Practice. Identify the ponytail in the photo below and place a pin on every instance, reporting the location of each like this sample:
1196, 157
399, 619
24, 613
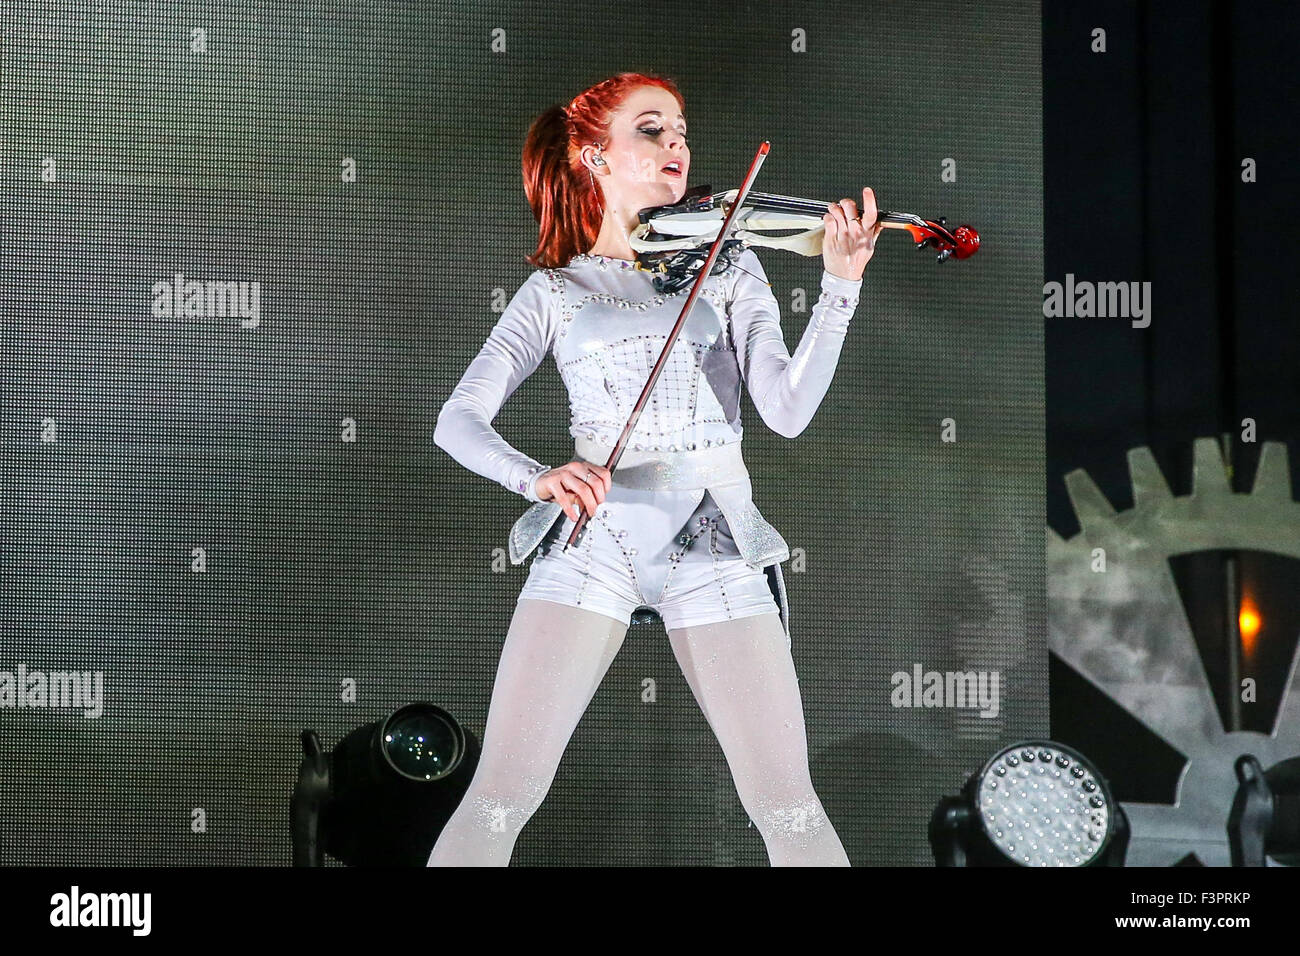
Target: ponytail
565, 204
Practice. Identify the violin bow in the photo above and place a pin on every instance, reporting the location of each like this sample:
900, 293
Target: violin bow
705, 269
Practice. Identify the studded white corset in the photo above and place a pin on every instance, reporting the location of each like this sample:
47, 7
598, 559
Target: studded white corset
605, 326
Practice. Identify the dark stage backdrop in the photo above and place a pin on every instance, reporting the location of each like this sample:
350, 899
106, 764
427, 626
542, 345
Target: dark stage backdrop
235, 518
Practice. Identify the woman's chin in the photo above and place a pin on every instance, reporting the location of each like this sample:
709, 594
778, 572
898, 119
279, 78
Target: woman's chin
673, 190
661, 193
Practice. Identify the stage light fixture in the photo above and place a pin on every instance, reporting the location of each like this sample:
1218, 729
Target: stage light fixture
385, 792
1265, 819
1035, 803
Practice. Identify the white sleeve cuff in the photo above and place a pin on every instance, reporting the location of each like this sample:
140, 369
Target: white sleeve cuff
839, 293
529, 485
837, 285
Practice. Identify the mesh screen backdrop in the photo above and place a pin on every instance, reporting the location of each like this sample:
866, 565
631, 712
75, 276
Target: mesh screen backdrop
234, 518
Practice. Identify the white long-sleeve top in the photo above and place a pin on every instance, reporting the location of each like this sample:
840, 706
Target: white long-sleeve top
605, 326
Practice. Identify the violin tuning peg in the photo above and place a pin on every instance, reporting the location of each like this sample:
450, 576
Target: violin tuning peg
941, 257
942, 221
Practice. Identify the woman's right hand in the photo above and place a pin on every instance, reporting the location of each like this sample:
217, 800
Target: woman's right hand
579, 483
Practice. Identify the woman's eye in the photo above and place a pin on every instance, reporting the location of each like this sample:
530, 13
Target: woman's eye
655, 131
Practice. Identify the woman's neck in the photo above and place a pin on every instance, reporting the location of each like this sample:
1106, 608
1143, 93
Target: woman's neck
615, 230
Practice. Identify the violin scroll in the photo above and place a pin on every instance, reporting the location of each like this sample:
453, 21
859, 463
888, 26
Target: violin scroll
960, 243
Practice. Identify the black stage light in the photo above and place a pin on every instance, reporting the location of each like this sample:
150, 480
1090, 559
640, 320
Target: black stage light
1265, 817
385, 792
1036, 803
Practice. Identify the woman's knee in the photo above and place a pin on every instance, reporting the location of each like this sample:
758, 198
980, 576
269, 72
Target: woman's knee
782, 806
505, 804
789, 819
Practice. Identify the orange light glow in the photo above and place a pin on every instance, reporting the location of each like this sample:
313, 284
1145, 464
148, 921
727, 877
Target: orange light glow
1249, 623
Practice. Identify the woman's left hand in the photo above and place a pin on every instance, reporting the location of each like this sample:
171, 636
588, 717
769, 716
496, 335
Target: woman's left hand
850, 239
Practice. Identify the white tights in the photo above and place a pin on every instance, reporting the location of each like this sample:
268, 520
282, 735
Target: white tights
554, 659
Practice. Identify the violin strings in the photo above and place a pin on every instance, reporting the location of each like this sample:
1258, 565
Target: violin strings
748, 273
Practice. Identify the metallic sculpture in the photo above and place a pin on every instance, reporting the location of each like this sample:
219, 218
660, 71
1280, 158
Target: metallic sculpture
1125, 630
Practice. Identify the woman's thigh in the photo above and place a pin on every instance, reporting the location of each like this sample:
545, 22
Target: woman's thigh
743, 678
552, 663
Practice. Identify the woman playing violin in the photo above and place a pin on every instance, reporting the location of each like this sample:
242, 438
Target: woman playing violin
673, 531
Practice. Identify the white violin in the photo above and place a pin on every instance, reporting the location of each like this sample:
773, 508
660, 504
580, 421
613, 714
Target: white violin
673, 241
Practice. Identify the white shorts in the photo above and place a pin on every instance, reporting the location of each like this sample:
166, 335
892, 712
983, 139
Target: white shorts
651, 549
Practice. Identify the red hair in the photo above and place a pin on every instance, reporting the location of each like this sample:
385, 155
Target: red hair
564, 198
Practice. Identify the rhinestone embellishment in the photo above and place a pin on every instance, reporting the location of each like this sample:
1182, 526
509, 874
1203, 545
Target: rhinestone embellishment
837, 301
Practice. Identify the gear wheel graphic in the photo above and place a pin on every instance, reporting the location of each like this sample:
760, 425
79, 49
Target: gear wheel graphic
1125, 630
